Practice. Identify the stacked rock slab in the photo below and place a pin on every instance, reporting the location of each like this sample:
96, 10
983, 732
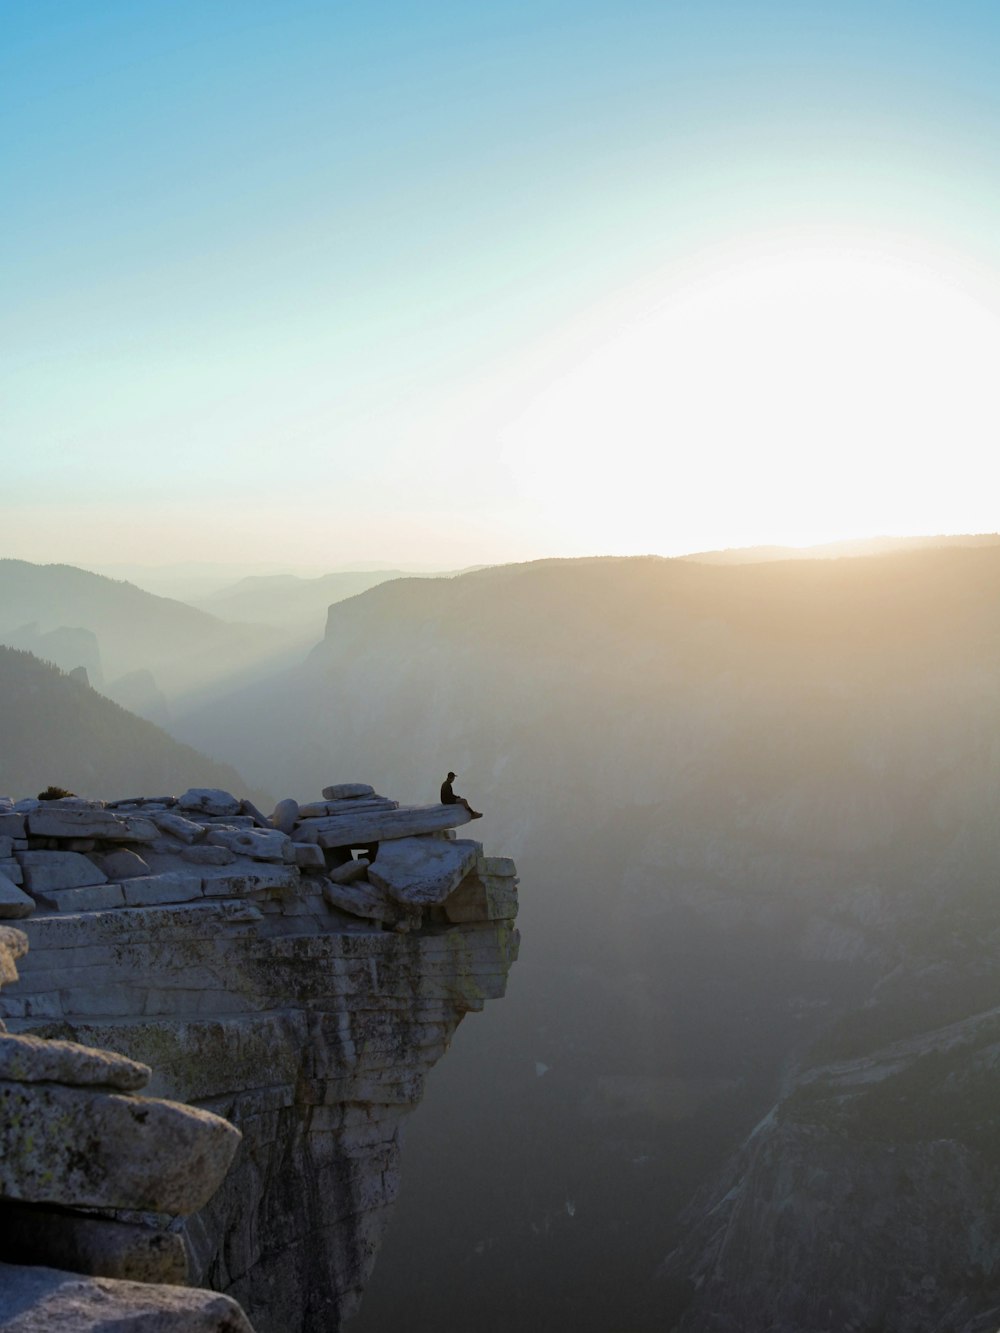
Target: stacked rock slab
298, 975
77, 1146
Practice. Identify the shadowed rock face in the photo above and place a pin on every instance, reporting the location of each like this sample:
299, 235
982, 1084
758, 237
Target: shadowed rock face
254, 994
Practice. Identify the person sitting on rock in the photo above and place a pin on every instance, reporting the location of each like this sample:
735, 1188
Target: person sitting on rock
448, 797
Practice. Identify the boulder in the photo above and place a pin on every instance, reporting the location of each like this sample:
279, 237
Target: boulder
12, 869
285, 815
41, 1300
382, 825
209, 801
307, 856
258, 844
120, 865
11, 825
26, 1059
44, 871
170, 887
177, 826
14, 903
422, 871
88, 1149
349, 871
98, 1246
342, 791
363, 900
95, 898
63, 821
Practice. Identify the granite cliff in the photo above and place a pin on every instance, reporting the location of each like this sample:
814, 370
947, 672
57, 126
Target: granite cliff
297, 975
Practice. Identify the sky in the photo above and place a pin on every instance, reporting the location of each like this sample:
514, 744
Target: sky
308, 285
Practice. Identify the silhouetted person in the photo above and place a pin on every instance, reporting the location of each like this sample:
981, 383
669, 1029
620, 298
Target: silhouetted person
448, 797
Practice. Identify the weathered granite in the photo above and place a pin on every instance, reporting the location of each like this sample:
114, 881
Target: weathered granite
346, 790
358, 830
209, 801
92, 1149
26, 1059
420, 871
306, 1010
47, 870
43, 1300
13, 902
53, 821
92, 1244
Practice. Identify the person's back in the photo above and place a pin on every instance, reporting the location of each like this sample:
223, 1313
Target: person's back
448, 797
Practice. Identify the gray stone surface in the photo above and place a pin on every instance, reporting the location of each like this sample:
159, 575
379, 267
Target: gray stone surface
45, 1300
28, 1059
97, 1246
177, 826
208, 801
307, 856
11, 825
120, 864
11, 867
58, 821
14, 903
363, 900
258, 844
345, 790
285, 815
378, 826
58, 870
166, 888
86, 1149
349, 871
204, 855
95, 898
422, 871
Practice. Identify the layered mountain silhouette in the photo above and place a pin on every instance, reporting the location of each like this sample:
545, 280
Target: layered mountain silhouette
58, 731
114, 629
754, 810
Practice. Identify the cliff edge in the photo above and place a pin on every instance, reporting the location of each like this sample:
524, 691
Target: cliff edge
297, 975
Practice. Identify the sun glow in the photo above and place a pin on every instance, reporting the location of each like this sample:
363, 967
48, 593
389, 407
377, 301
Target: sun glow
795, 395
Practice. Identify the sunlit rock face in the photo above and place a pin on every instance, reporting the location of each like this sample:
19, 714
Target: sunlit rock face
231, 961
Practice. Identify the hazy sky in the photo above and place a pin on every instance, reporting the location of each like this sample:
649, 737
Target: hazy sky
313, 283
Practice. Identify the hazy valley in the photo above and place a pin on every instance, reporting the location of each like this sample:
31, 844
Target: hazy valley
753, 807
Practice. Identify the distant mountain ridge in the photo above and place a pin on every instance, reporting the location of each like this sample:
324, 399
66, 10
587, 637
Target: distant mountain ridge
57, 730
746, 796
185, 650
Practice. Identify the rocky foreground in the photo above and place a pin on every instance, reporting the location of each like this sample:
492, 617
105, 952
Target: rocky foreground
296, 975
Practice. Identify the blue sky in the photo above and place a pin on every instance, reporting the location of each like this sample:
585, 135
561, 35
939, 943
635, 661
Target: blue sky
291, 277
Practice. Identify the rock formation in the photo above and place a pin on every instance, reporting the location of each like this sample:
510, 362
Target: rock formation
78, 1145
297, 975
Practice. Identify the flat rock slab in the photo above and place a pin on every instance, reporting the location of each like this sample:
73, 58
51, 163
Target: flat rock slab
177, 826
421, 872
121, 864
321, 809
14, 903
25, 1059
341, 791
93, 898
152, 890
97, 1246
59, 870
258, 844
42, 1300
367, 901
85, 1149
384, 825
209, 801
70, 822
